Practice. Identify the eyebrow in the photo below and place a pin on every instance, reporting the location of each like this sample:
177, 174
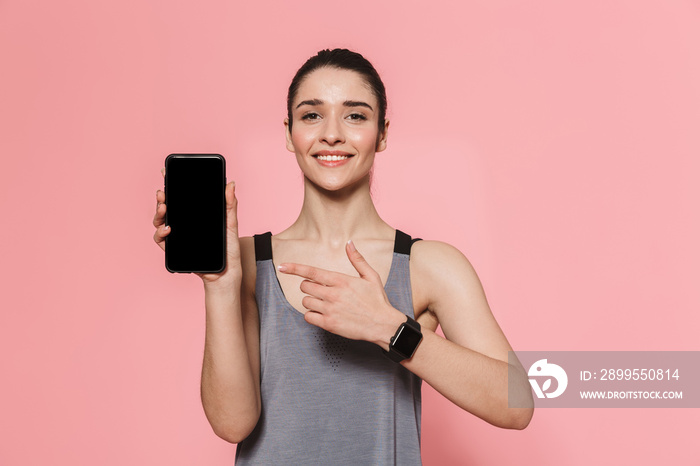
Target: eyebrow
356, 103
310, 102
347, 103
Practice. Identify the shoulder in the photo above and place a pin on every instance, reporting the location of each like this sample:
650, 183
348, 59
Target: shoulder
247, 245
437, 259
442, 273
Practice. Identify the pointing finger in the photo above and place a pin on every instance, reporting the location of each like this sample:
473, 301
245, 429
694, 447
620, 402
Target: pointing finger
324, 277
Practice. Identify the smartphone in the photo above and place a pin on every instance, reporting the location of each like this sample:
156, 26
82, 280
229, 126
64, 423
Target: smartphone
196, 213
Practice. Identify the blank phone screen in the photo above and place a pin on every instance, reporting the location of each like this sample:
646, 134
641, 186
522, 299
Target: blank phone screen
196, 212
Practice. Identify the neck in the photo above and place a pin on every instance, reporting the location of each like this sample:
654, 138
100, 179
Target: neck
334, 217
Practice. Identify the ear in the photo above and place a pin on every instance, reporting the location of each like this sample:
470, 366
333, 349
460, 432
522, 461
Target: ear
288, 135
381, 142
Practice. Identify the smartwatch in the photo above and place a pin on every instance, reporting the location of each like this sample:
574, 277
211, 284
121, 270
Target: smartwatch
405, 341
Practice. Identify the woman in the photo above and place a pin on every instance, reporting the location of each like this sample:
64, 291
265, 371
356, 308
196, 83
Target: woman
322, 362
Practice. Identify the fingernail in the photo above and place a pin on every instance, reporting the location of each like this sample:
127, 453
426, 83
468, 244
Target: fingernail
282, 268
166, 227
352, 245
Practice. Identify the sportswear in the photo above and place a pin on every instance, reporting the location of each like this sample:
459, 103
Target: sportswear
328, 399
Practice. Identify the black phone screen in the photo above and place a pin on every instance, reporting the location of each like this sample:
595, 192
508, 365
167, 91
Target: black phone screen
196, 213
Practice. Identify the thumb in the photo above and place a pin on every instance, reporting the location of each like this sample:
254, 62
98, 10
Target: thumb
358, 261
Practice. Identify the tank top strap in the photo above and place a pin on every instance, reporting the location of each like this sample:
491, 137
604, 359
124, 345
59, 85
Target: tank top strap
403, 243
263, 246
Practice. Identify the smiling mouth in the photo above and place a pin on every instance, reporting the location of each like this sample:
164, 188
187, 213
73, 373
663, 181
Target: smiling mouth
332, 158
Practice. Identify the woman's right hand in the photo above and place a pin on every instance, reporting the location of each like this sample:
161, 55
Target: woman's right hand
233, 271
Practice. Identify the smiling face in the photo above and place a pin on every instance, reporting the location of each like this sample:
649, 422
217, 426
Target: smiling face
335, 131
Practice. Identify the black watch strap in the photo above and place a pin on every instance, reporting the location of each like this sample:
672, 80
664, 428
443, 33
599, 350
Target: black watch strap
405, 341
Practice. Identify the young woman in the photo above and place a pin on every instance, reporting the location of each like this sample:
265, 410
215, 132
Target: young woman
318, 337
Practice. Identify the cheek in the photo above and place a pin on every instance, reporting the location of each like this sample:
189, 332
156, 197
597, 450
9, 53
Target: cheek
300, 139
366, 138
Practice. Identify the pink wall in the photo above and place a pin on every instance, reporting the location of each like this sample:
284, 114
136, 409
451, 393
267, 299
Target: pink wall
555, 143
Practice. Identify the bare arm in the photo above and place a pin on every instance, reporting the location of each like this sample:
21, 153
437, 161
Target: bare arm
230, 384
470, 367
231, 368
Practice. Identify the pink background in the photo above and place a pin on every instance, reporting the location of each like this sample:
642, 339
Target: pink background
554, 143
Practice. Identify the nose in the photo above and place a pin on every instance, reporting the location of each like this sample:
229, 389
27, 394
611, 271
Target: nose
332, 131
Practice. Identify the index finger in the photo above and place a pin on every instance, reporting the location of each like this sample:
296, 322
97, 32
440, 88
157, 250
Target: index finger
322, 276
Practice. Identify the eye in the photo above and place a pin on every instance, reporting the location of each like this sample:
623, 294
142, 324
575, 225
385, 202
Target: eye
311, 116
357, 116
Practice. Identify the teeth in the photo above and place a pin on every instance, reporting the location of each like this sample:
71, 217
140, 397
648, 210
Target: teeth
331, 157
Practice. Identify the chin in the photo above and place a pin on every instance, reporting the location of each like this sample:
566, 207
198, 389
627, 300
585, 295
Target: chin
336, 185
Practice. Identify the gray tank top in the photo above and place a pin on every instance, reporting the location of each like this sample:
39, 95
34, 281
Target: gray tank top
327, 399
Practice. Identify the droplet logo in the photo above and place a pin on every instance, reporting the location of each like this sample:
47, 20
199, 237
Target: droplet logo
542, 368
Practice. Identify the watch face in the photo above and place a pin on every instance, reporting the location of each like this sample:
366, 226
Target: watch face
407, 340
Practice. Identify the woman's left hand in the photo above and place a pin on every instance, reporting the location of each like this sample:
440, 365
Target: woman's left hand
352, 307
